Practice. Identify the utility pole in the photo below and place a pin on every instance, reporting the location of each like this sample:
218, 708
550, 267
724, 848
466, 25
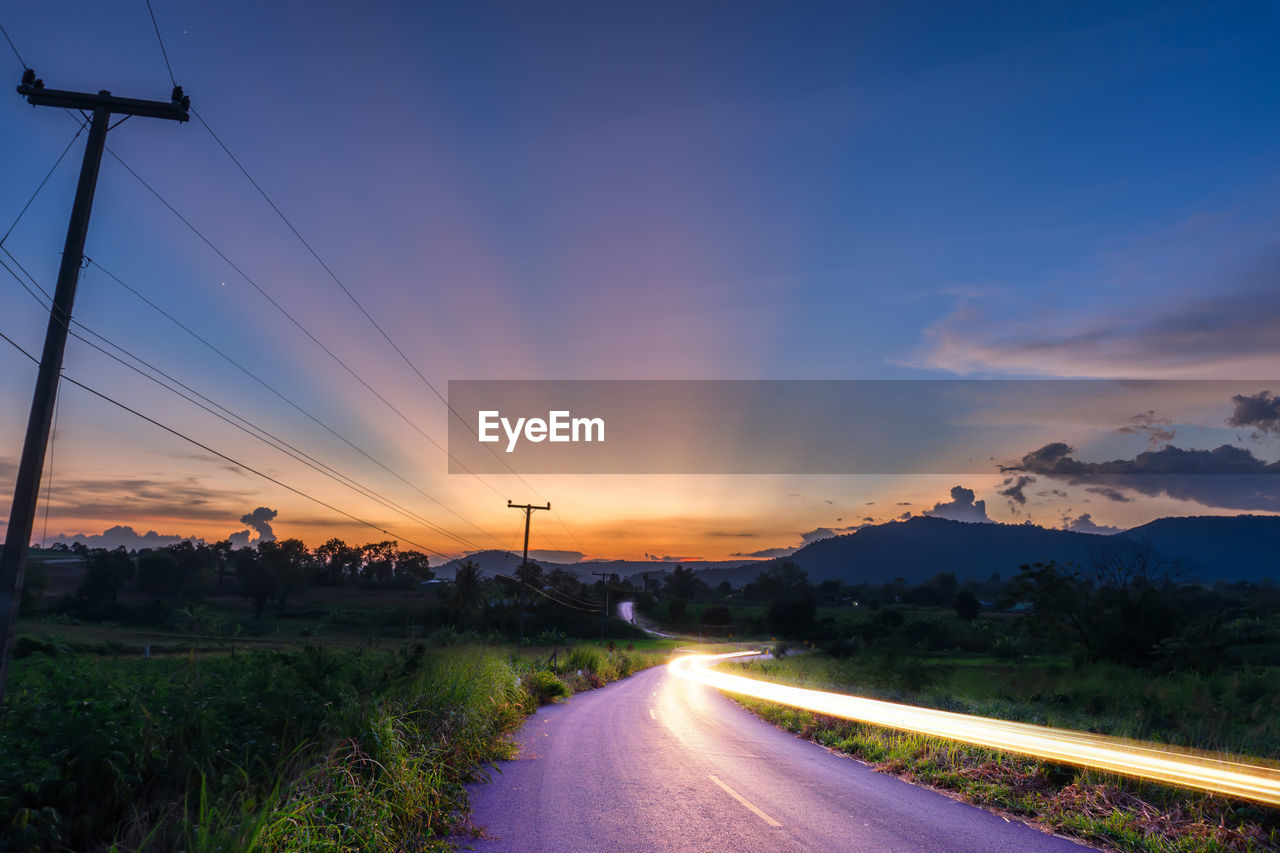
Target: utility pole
27, 490
524, 560
604, 614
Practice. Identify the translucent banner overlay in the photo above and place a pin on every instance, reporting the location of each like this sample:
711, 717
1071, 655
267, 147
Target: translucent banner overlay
1124, 427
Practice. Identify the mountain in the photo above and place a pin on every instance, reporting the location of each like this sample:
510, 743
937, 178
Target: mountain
505, 562
1236, 547
1211, 548
1243, 547
919, 548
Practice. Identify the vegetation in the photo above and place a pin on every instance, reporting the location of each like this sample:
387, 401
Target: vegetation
312, 749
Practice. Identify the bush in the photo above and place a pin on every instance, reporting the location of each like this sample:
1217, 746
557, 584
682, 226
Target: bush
544, 687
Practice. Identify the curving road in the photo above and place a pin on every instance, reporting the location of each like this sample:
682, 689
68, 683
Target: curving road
657, 763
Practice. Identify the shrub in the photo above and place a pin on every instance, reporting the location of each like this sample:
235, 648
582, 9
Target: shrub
544, 687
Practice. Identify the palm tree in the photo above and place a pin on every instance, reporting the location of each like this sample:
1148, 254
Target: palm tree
465, 597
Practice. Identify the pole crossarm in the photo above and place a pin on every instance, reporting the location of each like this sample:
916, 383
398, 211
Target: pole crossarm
33, 89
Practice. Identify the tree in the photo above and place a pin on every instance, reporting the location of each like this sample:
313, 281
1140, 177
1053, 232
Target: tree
257, 581
106, 573
1120, 609
158, 572
465, 597
792, 604
338, 560
966, 605
286, 560
683, 583
414, 564
378, 560
222, 550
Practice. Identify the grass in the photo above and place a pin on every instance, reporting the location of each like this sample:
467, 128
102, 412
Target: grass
1117, 814
318, 748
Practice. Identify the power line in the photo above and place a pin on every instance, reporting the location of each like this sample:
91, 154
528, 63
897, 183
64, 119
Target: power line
14, 48
360, 306
163, 52
248, 426
231, 460
47, 176
297, 323
247, 372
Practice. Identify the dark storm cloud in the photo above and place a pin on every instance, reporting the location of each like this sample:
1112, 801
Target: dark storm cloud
1227, 477
1259, 411
1014, 489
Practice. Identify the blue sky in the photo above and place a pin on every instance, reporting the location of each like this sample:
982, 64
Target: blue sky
578, 190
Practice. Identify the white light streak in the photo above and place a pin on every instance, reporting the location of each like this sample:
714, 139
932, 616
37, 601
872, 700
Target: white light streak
1152, 761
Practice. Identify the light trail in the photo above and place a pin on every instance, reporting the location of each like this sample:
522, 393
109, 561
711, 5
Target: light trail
1151, 761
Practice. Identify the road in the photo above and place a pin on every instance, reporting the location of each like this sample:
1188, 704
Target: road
655, 763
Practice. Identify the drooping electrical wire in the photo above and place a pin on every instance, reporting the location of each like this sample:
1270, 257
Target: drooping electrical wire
47, 176
363, 311
163, 52
14, 48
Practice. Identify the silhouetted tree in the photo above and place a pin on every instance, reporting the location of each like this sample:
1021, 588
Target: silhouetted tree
966, 605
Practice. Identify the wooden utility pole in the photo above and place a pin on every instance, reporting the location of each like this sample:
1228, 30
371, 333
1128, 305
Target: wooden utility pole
27, 490
524, 561
604, 614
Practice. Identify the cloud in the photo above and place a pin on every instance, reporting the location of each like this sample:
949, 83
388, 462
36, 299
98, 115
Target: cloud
961, 507
1110, 494
1227, 477
767, 553
1154, 428
1084, 523
239, 540
1209, 308
1014, 489
905, 516
1260, 411
259, 520
548, 556
827, 532
121, 534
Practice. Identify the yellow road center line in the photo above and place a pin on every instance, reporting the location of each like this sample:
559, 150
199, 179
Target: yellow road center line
764, 817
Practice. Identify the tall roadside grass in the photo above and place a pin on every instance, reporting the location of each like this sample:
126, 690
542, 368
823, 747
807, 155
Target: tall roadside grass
1112, 812
316, 750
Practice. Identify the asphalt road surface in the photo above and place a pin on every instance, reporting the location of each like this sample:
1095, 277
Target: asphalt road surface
657, 763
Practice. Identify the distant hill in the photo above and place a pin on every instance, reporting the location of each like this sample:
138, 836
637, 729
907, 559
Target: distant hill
1245, 547
1239, 547
505, 562
919, 548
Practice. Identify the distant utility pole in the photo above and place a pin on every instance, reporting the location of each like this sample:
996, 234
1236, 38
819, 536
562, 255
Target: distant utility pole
27, 490
524, 560
604, 614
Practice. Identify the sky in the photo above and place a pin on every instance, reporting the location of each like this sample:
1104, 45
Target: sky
640, 191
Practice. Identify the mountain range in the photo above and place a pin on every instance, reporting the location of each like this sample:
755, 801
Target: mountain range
1208, 548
